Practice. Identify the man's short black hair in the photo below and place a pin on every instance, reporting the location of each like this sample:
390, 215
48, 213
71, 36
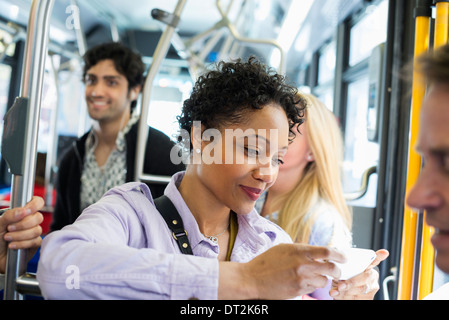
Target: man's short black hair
126, 61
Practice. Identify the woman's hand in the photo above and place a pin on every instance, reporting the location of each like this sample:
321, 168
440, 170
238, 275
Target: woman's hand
282, 272
361, 287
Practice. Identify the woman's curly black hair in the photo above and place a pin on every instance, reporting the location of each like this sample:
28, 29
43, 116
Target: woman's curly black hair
224, 96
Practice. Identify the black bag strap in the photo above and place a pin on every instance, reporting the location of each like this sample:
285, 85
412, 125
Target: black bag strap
174, 222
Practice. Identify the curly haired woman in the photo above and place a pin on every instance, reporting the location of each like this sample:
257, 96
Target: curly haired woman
121, 246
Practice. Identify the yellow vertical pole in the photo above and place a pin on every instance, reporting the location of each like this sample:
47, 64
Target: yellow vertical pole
406, 270
427, 263
427, 250
441, 23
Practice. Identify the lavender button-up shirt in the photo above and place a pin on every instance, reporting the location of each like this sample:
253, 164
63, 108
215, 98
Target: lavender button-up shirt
121, 248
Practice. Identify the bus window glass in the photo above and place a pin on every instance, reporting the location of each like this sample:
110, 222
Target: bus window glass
5, 75
360, 153
73, 118
7, 46
327, 97
166, 103
368, 33
48, 106
327, 63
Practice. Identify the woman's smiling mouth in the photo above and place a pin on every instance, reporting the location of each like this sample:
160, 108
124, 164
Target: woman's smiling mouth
253, 193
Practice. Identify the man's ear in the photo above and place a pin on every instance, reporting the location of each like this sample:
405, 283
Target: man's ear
134, 93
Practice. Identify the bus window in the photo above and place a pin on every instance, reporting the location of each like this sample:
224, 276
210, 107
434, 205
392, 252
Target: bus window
166, 103
49, 105
360, 153
326, 74
368, 33
327, 97
326, 64
7, 46
73, 119
7, 49
5, 75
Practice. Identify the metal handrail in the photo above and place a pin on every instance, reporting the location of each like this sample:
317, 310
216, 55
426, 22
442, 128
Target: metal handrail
351, 196
167, 37
16, 32
80, 35
238, 37
392, 278
226, 23
158, 56
32, 81
26, 284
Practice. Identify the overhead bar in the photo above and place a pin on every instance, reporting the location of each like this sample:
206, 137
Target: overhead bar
80, 36
237, 36
158, 56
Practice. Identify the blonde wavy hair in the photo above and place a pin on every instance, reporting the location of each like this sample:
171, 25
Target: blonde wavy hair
321, 178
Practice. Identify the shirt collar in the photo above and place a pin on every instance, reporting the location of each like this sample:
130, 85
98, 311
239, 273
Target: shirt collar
120, 142
253, 229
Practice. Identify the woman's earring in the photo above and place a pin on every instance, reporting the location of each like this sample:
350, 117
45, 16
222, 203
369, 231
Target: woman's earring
198, 150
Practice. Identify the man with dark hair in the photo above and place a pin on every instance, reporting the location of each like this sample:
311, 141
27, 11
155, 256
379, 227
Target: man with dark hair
104, 156
126, 62
431, 191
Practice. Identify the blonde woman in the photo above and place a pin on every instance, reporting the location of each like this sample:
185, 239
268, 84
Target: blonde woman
307, 200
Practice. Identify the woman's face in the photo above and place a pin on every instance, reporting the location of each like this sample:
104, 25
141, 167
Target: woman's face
298, 156
243, 160
299, 153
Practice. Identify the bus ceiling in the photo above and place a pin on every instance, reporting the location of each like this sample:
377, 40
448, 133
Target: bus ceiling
116, 20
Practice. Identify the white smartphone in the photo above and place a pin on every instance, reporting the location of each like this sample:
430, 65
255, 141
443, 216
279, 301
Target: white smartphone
357, 260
